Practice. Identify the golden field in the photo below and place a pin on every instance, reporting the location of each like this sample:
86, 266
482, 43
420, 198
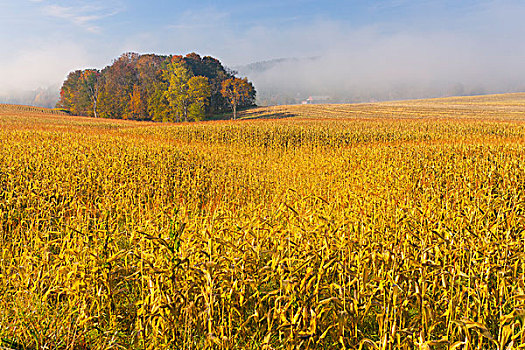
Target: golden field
396, 225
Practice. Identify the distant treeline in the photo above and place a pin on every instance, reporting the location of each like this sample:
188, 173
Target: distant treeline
158, 88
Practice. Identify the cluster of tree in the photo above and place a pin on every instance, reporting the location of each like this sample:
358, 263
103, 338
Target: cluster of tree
159, 88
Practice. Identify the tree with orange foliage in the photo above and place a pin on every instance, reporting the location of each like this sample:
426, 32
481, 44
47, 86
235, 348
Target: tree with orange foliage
137, 108
238, 92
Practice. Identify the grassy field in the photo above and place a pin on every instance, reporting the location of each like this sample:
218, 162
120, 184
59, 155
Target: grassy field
396, 225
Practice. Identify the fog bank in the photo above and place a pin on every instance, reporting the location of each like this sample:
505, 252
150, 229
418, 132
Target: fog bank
374, 66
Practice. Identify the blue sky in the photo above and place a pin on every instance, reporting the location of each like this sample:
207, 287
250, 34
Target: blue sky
42, 40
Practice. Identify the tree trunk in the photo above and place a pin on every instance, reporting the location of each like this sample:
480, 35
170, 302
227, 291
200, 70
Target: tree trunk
234, 110
94, 96
95, 108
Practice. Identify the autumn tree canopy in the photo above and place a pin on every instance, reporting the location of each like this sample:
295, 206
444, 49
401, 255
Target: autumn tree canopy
239, 92
188, 95
152, 87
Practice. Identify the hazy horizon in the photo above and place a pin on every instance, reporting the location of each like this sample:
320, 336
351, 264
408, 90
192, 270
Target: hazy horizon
363, 49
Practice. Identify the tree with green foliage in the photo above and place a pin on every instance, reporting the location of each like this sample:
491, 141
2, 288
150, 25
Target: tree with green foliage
187, 95
158, 105
90, 79
199, 91
80, 92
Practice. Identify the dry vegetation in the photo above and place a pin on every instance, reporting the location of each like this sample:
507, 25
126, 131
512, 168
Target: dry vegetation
18, 109
375, 226
506, 107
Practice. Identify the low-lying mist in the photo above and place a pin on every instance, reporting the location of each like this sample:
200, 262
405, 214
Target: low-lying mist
474, 51
391, 68
41, 97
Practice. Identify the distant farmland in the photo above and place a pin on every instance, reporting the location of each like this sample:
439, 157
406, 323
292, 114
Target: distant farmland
490, 107
394, 225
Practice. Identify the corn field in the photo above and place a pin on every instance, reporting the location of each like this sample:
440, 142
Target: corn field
7, 108
364, 229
